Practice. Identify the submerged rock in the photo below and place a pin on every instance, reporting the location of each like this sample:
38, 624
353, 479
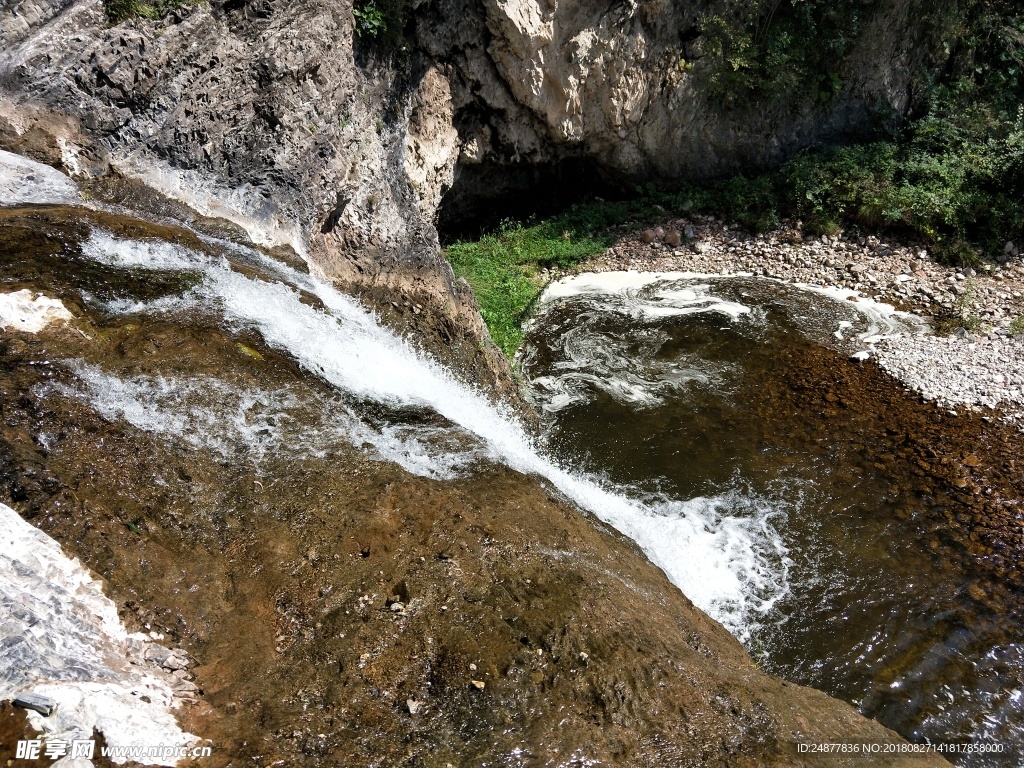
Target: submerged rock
24, 181
21, 311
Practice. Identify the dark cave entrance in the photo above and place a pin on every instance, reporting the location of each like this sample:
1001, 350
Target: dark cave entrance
484, 195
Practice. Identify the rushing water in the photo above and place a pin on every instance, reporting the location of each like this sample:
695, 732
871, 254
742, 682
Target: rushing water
720, 549
668, 418
681, 385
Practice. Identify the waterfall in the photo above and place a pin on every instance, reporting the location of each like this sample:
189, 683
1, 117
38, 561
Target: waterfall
731, 564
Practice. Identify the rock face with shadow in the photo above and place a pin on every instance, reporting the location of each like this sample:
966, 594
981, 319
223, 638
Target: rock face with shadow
277, 118
625, 88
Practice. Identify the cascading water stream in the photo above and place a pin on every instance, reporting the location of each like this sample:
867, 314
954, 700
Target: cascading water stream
731, 565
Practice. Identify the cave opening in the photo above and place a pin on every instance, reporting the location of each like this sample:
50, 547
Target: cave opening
485, 194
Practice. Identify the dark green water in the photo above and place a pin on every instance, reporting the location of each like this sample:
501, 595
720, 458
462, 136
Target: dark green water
881, 602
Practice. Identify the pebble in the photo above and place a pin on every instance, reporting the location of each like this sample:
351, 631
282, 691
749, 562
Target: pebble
960, 370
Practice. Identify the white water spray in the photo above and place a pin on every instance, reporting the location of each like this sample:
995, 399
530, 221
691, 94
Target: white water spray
733, 567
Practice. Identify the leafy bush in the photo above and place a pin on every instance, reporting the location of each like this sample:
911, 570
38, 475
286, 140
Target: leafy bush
950, 184
381, 24
779, 48
369, 19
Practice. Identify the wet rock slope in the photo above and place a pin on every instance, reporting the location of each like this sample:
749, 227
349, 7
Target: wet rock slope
344, 609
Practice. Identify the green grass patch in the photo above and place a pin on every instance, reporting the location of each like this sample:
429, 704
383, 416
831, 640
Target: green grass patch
504, 267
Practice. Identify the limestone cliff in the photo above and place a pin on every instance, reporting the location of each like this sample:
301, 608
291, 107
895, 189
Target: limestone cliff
625, 86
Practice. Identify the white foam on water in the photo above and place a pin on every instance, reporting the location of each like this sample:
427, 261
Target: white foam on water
883, 320
146, 254
632, 287
728, 565
21, 311
61, 637
246, 423
624, 363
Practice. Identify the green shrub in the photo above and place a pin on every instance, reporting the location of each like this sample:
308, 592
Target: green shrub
369, 19
964, 307
951, 185
381, 24
771, 49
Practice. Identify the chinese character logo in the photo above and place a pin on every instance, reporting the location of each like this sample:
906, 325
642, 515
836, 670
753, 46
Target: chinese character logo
56, 748
29, 749
83, 748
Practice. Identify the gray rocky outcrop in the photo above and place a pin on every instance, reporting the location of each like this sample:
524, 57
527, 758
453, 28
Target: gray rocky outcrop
256, 115
275, 116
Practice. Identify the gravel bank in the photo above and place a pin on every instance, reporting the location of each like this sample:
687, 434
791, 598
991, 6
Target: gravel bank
979, 365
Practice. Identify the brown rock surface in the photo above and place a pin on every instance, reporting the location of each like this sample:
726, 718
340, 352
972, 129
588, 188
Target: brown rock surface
319, 595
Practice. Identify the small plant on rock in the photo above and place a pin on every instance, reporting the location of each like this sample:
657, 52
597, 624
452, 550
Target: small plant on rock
370, 21
963, 309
